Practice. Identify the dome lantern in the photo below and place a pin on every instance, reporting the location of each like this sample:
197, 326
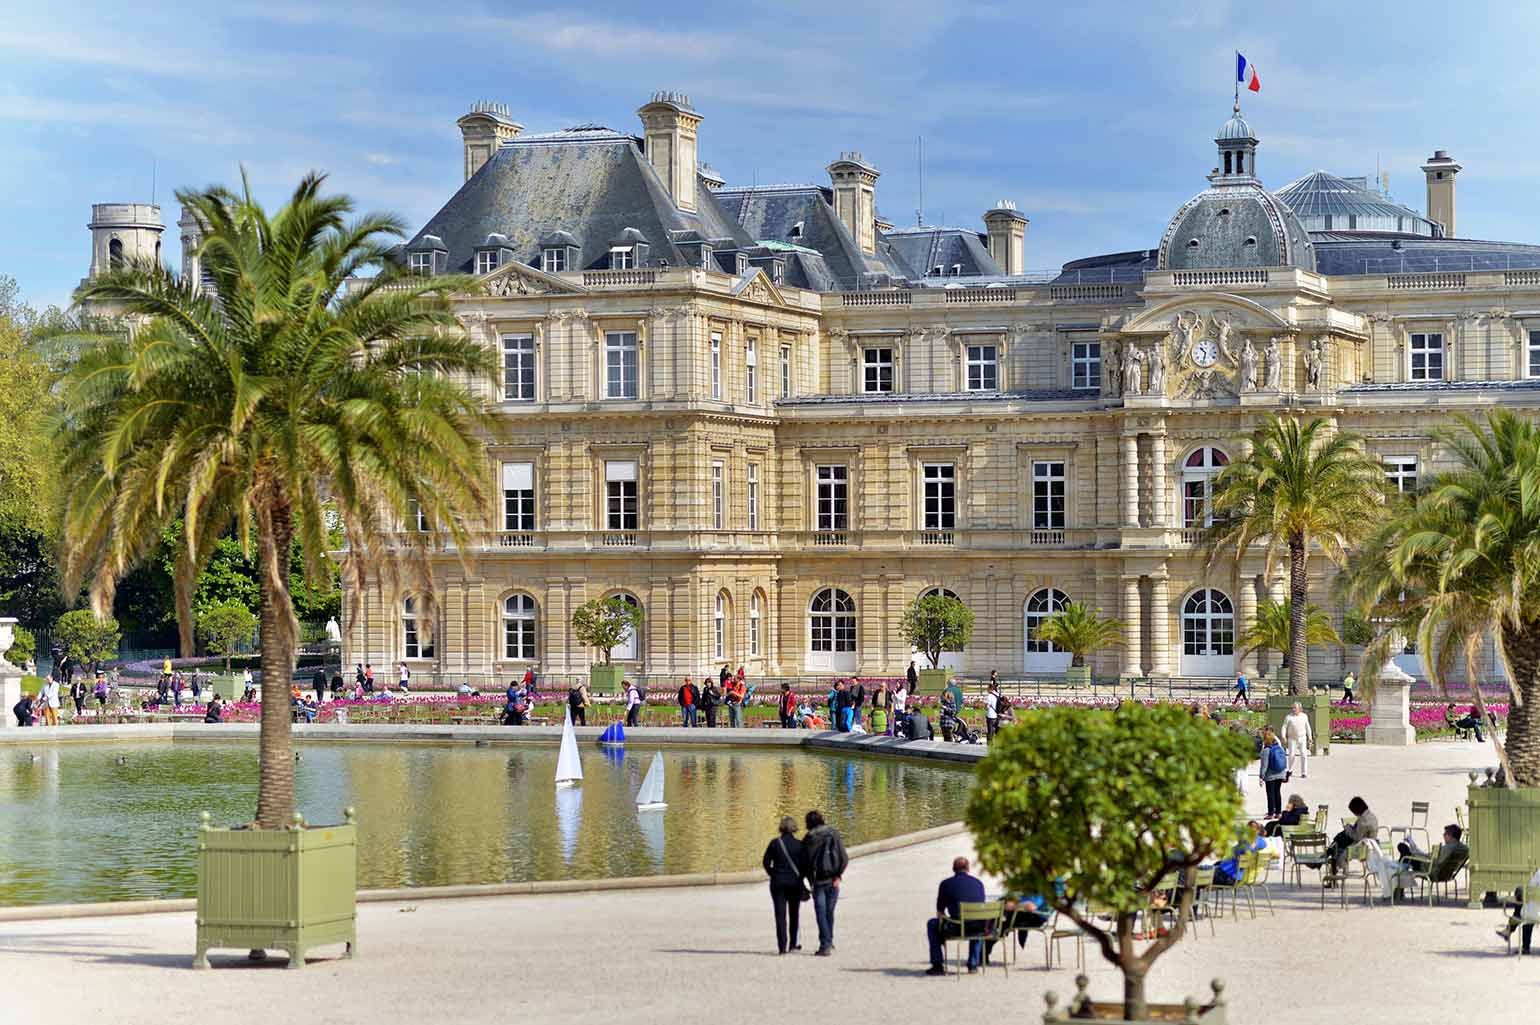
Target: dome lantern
1237, 150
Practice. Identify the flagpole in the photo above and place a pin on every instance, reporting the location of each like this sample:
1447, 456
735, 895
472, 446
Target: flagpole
1237, 81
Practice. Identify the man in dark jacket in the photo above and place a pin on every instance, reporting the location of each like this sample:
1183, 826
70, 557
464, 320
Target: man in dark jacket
710, 698
960, 888
318, 683
823, 864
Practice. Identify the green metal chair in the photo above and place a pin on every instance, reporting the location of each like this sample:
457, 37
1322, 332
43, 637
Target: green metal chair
1306, 850
976, 921
1419, 812
1447, 875
1064, 928
1358, 855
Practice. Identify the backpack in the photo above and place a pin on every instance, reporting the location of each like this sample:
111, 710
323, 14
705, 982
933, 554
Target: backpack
829, 860
574, 698
1277, 760
641, 693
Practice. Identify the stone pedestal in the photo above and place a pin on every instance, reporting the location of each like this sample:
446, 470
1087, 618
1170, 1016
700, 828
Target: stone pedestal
10, 676
1390, 711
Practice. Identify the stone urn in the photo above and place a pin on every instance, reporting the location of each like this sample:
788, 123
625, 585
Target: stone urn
1390, 709
10, 676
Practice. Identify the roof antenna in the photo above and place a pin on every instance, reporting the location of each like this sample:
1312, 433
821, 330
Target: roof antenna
919, 211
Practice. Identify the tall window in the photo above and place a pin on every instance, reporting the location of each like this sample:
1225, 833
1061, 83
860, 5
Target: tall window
1086, 365
620, 494
420, 263
622, 258
833, 498
718, 515
785, 371
1042, 605
983, 368
719, 628
519, 628
417, 519
415, 639
1534, 354
750, 370
1208, 624
1401, 472
486, 261
940, 496
832, 620
629, 649
754, 620
518, 367
753, 496
1198, 485
716, 365
1048, 495
877, 370
620, 364
518, 496
1427, 355
553, 261
115, 254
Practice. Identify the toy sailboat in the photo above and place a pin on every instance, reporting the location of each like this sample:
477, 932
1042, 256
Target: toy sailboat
569, 767
614, 733
650, 797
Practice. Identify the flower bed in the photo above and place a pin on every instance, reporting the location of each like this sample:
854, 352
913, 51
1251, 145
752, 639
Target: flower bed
1427, 720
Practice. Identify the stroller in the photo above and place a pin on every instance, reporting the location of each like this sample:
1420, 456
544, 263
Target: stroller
953, 727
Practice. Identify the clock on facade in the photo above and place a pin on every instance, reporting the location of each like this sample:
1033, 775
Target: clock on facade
1205, 353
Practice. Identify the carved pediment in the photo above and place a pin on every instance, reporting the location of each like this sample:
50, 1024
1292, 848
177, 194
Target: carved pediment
517, 279
757, 287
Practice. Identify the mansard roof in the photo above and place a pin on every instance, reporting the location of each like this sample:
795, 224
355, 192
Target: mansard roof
926, 247
804, 215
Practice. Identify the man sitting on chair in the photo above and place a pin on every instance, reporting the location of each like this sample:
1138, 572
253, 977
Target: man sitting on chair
960, 888
1443, 863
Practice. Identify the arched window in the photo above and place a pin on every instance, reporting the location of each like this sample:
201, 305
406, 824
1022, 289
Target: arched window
719, 627
755, 613
1197, 485
519, 628
1208, 624
115, 254
629, 649
832, 630
939, 592
1041, 606
416, 632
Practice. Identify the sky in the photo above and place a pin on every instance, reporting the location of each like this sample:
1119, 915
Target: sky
1097, 119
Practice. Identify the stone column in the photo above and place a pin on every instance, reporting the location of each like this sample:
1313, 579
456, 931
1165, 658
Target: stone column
1132, 628
1159, 473
1130, 480
1160, 624
10, 676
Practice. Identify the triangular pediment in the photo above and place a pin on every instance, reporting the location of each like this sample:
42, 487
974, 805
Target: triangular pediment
756, 286
516, 279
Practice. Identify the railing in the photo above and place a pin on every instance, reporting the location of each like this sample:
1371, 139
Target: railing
1193, 535
1087, 293
980, 295
1210, 278
1442, 282
517, 539
1046, 537
891, 298
1522, 277
830, 539
600, 278
936, 537
626, 539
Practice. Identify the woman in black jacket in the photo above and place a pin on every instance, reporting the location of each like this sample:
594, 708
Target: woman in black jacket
783, 858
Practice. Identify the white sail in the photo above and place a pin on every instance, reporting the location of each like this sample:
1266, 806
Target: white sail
569, 767
651, 795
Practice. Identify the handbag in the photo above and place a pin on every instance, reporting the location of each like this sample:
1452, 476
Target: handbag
803, 893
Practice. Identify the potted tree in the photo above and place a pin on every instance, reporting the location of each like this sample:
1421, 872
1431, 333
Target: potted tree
605, 623
225, 629
1080, 630
87, 638
1271, 631
1157, 799
933, 624
284, 389
1449, 569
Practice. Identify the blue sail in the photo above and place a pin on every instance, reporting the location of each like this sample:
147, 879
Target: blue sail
614, 733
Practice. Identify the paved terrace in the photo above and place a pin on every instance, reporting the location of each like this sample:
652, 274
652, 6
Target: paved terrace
706, 955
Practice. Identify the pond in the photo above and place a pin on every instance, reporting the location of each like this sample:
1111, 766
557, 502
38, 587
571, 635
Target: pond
77, 824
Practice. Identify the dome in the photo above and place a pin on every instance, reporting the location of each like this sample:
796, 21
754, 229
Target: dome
1326, 202
1235, 128
1235, 225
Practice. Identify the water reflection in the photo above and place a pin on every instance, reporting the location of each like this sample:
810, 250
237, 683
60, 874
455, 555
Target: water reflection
569, 819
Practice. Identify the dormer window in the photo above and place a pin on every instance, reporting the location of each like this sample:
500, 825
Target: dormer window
1251, 240
1192, 243
956, 270
937, 270
486, 261
796, 231
628, 250
420, 263
622, 257
560, 252
428, 256
553, 261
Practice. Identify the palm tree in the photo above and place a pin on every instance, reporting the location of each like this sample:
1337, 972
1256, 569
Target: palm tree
1274, 626
1301, 484
1463, 561
1079, 629
286, 396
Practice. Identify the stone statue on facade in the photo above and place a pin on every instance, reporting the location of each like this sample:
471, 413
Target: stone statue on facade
1157, 369
1272, 365
1113, 368
1315, 360
1222, 329
1248, 367
1190, 329
1131, 373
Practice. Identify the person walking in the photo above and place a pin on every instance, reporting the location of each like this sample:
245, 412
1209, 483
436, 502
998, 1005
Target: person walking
404, 677
736, 692
1347, 688
1273, 766
899, 706
857, 693
99, 691
577, 703
823, 865
1241, 686
689, 701
368, 678
991, 709
358, 673
1298, 739
788, 707
633, 704
50, 700
783, 864
912, 677
78, 695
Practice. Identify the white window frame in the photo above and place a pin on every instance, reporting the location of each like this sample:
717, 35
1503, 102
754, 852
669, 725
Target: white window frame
413, 646
874, 364
518, 496
519, 368
719, 627
420, 263
486, 262
1085, 365
718, 503
622, 503
629, 649
785, 371
1049, 494
939, 496
1208, 624
553, 260
622, 258
1041, 605
982, 371
832, 497
1401, 472
1198, 484
752, 496
754, 624
832, 625
751, 370
621, 354
716, 364
1532, 354
1430, 346
520, 628
417, 519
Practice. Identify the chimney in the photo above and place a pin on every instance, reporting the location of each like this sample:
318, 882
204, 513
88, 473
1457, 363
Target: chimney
1007, 229
669, 124
1441, 169
855, 197
485, 128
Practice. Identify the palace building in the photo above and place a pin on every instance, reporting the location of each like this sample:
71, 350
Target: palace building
771, 419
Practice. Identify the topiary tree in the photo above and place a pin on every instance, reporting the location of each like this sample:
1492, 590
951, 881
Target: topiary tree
1274, 626
85, 638
225, 628
1097, 807
1080, 630
23, 646
935, 623
604, 623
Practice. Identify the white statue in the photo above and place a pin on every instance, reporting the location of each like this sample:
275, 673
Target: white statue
1157, 370
1314, 361
1131, 374
1189, 329
1248, 367
1272, 364
1223, 327
333, 631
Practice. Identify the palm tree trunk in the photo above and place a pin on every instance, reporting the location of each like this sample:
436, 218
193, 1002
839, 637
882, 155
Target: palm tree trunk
275, 789
1299, 593
1521, 647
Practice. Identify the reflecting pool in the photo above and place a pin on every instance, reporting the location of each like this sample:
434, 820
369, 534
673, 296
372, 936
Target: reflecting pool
119, 822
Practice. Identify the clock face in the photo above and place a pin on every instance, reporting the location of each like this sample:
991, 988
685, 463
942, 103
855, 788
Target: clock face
1205, 353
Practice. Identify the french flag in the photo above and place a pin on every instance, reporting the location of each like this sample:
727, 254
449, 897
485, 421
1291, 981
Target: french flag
1246, 73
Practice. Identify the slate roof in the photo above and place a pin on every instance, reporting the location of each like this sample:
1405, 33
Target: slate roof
771, 212
924, 247
590, 181
1366, 253
1327, 202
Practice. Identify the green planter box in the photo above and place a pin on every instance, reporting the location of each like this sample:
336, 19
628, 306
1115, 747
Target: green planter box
229, 686
277, 889
1504, 838
1077, 676
934, 681
604, 679
1317, 706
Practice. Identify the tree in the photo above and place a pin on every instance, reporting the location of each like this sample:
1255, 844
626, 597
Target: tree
606, 623
1097, 807
934, 623
1080, 630
1462, 562
1274, 626
27, 467
1301, 484
23, 646
225, 628
86, 637
289, 394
